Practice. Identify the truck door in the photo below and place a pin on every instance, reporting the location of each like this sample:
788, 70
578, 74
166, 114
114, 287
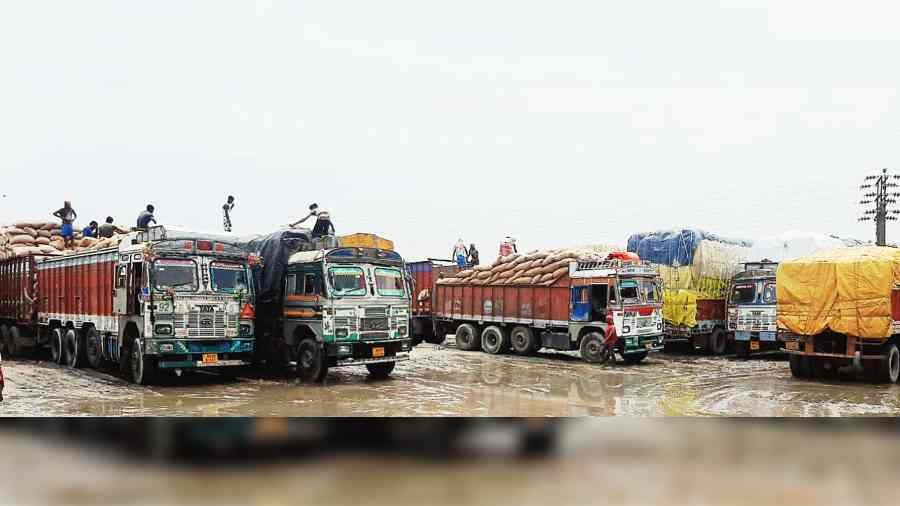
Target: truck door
120, 306
581, 304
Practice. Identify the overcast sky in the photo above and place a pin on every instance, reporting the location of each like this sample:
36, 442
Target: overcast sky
562, 123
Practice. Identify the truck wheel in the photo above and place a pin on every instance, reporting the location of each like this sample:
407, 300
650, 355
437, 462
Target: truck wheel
467, 338
381, 371
73, 352
798, 369
718, 342
495, 340
56, 346
889, 366
523, 341
12, 344
93, 348
742, 349
636, 358
311, 365
4, 335
143, 369
594, 350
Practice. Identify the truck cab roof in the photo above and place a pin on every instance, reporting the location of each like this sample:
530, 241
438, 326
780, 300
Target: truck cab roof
347, 255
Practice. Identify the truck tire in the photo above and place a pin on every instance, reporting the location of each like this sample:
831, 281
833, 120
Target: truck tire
718, 342
4, 335
12, 342
889, 366
798, 369
56, 346
311, 364
93, 348
467, 337
594, 350
523, 341
74, 349
495, 340
142, 369
636, 358
742, 349
381, 371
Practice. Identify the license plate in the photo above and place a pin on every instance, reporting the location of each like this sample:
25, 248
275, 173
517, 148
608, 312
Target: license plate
793, 346
754, 346
377, 352
210, 358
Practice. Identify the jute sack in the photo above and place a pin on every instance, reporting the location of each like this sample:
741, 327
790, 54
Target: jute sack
44, 233
30, 231
42, 241
13, 231
25, 240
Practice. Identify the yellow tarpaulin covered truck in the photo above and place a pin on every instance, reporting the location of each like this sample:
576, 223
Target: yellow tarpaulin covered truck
841, 308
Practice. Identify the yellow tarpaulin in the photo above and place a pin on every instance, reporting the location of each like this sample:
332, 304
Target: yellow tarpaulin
847, 290
680, 307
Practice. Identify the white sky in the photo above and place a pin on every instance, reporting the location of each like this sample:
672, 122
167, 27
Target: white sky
560, 123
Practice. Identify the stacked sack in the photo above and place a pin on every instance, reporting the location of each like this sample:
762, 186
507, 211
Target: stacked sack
541, 268
40, 238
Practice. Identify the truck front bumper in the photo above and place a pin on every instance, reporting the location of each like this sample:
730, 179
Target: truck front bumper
746, 335
353, 353
643, 344
199, 353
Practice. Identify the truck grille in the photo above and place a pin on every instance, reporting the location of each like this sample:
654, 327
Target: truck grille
376, 312
643, 323
346, 322
375, 335
761, 323
205, 324
374, 324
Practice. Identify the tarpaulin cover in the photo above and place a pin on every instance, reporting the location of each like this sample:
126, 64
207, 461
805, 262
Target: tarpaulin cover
694, 265
275, 249
846, 290
793, 245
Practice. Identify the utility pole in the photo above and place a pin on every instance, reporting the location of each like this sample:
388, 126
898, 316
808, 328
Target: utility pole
880, 196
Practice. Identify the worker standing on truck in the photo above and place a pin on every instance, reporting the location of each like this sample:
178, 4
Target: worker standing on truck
474, 261
146, 217
508, 247
226, 209
109, 229
323, 225
460, 254
68, 217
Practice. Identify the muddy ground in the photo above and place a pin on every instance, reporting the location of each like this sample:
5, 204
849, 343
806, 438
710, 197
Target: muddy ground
446, 381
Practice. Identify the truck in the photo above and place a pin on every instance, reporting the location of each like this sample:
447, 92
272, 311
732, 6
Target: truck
752, 315
322, 305
600, 308
165, 299
697, 268
423, 275
840, 310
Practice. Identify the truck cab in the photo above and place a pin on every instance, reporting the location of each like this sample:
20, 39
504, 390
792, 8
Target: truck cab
752, 309
622, 297
183, 300
346, 307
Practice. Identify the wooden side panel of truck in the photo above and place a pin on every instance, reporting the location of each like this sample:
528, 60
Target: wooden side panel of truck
527, 304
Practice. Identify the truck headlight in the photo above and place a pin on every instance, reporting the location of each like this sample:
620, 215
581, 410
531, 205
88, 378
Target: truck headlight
402, 331
626, 330
341, 333
164, 330
245, 329
344, 349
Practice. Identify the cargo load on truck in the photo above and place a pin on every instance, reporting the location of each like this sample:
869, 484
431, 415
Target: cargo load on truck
696, 268
846, 290
25, 238
792, 245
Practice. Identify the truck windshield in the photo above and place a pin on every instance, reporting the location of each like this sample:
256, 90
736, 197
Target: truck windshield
769, 293
630, 291
650, 291
348, 281
743, 294
389, 282
179, 275
227, 277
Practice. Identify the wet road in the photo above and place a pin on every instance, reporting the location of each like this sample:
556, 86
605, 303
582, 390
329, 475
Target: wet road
445, 381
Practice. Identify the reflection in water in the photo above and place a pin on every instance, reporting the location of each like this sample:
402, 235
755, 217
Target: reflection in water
443, 381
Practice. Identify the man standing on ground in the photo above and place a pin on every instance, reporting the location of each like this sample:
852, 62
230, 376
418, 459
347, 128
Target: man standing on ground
68, 217
146, 217
229, 205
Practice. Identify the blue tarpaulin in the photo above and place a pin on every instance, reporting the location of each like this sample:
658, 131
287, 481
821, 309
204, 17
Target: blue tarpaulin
674, 247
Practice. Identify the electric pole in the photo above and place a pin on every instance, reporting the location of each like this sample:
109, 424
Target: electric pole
880, 196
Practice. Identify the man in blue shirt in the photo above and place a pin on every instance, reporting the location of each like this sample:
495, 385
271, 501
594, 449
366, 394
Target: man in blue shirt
90, 230
146, 217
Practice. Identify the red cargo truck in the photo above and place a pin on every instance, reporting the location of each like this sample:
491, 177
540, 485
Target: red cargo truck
163, 300
423, 276
599, 308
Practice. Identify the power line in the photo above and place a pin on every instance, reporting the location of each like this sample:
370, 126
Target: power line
880, 197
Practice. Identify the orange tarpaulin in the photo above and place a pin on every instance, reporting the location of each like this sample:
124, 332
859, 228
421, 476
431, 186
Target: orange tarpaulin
846, 290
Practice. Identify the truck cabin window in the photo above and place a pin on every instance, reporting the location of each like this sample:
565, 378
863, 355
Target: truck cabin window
348, 281
312, 285
389, 282
599, 302
227, 277
770, 295
743, 294
179, 275
650, 291
630, 291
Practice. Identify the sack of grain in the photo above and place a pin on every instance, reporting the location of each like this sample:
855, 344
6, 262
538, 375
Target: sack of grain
43, 233
465, 274
48, 226
482, 268
30, 231
42, 241
14, 231
87, 242
484, 275
25, 240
